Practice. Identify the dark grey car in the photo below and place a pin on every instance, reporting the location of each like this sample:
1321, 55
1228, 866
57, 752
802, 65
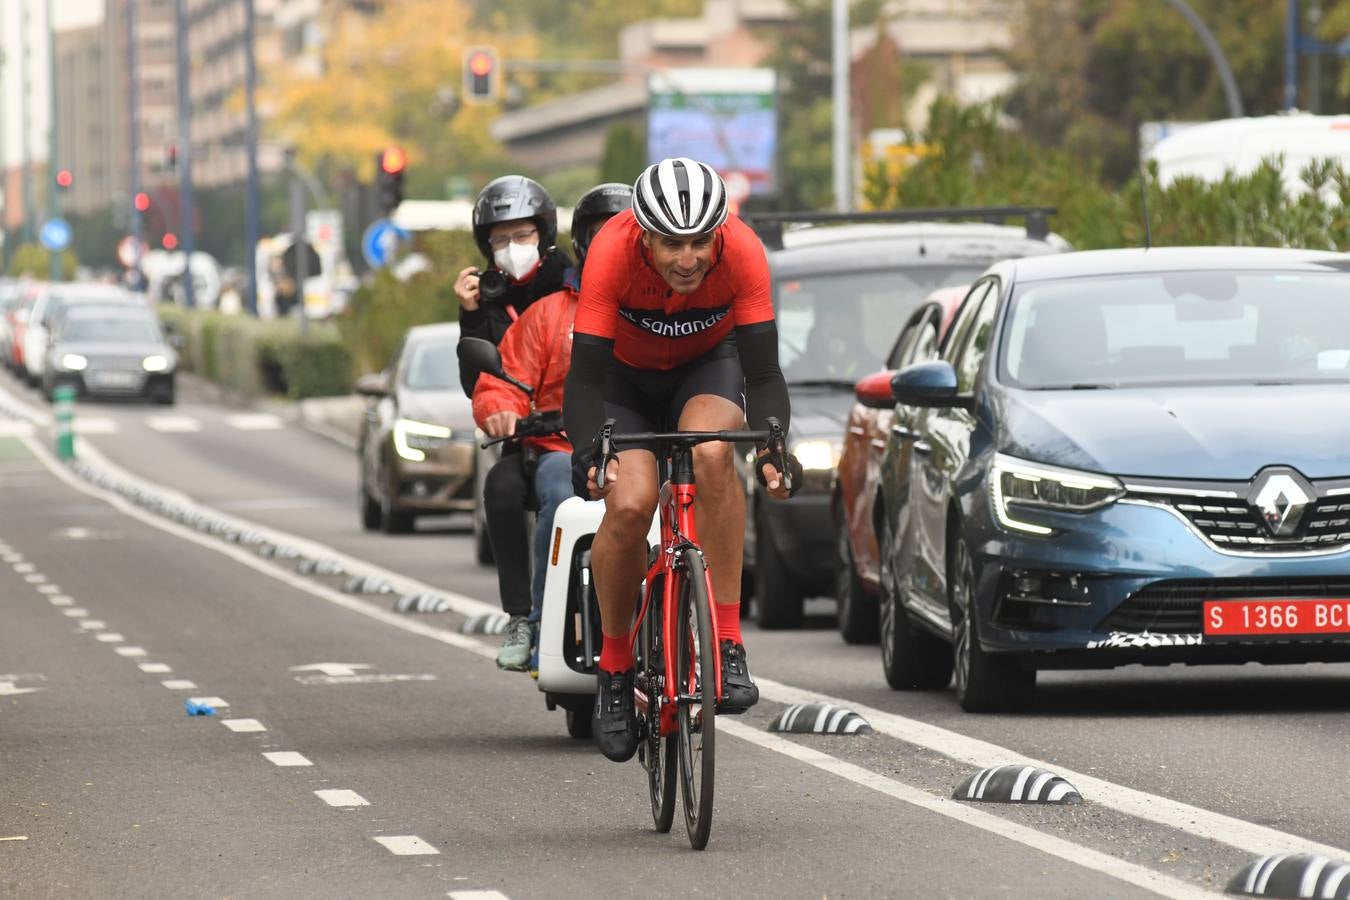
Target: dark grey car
841, 296
112, 351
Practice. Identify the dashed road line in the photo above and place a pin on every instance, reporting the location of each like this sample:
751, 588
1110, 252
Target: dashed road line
109, 637
35, 578
155, 668
76, 612
60, 600
179, 684
243, 725
477, 895
287, 758
92, 624
255, 422
173, 424
48, 589
406, 845
130, 651
23, 567
342, 798
93, 425
213, 702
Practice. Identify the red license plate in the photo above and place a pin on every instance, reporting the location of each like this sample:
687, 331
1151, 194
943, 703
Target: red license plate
1277, 617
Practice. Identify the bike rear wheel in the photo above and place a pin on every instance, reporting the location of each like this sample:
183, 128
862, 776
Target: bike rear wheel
695, 646
656, 753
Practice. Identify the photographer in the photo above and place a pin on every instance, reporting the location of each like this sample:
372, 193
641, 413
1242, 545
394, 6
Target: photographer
515, 225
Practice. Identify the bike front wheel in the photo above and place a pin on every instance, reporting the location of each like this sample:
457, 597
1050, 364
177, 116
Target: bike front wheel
658, 754
695, 646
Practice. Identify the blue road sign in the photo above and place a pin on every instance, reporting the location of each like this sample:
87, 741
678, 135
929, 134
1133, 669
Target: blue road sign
380, 241
55, 234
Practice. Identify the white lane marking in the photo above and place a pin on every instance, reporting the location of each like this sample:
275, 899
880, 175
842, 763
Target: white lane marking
76, 612
7, 689
1128, 872
243, 725
332, 668
93, 425
172, 424
17, 837
255, 422
60, 601
406, 845
13, 557
23, 567
48, 589
477, 895
108, 637
179, 684
1255, 839
1248, 836
92, 624
130, 651
287, 758
342, 798
155, 668
10, 428
35, 578
214, 702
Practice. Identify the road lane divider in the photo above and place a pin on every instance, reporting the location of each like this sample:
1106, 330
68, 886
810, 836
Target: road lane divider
1017, 784
406, 845
1293, 875
287, 758
341, 798
243, 726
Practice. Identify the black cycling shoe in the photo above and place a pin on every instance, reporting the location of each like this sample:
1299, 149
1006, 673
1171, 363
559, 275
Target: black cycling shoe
614, 723
739, 693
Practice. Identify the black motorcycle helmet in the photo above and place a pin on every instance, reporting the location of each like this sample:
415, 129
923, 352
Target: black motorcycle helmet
515, 197
600, 202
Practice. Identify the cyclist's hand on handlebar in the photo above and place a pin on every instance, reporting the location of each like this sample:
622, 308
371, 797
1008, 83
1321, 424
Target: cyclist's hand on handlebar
772, 479
611, 476
501, 424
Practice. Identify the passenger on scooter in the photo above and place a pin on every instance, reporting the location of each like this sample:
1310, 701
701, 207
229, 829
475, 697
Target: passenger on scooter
536, 350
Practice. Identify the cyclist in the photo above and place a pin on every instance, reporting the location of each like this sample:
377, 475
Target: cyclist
675, 327
536, 350
515, 225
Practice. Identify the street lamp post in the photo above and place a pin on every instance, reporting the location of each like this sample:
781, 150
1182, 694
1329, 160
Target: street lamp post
843, 188
184, 152
251, 138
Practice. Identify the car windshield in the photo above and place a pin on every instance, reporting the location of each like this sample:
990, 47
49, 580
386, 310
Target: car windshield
836, 328
433, 366
122, 330
1179, 328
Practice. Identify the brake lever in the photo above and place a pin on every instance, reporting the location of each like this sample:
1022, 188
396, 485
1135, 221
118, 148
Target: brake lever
778, 453
606, 450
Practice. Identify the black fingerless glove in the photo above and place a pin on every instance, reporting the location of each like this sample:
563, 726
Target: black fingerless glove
581, 468
794, 472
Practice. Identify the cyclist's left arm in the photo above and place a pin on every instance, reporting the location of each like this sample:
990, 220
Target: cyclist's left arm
592, 350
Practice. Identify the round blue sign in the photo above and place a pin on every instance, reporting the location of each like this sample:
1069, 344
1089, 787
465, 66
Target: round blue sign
380, 242
55, 234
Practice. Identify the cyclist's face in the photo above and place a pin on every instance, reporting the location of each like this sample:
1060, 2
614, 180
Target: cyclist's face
682, 262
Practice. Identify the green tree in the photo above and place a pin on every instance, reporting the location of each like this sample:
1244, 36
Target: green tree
35, 261
625, 153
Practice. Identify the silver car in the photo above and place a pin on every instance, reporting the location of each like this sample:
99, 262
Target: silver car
113, 351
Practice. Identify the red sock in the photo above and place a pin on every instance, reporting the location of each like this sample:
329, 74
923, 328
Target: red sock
729, 623
616, 654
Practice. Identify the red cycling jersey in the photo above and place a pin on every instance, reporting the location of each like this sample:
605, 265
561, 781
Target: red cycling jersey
624, 299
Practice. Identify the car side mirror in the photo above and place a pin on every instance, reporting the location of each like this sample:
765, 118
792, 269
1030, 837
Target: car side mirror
874, 391
931, 384
372, 384
481, 356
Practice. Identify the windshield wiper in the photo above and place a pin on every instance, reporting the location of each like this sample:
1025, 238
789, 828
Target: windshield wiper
841, 383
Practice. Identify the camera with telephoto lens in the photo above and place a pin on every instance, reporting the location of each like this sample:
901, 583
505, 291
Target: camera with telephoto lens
491, 285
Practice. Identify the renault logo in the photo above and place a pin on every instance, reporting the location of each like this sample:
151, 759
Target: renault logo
1282, 497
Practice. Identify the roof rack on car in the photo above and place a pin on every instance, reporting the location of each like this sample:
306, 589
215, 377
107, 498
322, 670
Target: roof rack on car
769, 225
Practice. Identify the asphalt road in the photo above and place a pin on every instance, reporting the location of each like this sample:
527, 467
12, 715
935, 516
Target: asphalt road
117, 791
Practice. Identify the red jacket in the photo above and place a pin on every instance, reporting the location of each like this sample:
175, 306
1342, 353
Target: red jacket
537, 350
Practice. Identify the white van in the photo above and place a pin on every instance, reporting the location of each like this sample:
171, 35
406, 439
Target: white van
1208, 150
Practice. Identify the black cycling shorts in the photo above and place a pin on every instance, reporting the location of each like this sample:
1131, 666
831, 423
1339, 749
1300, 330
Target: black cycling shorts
652, 400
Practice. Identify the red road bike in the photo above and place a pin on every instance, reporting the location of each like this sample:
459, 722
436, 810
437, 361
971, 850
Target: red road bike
678, 682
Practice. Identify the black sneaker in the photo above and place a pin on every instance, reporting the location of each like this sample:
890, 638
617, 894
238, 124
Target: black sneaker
739, 693
614, 723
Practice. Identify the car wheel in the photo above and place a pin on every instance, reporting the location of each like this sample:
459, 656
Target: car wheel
578, 723
371, 515
778, 599
985, 682
481, 543
857, 615
912, 659
393, 521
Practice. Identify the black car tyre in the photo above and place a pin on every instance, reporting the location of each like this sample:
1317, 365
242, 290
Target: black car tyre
481, 543
985, 682
579, 722
371, 516
393, 521
857, 613
912, 659
778, 599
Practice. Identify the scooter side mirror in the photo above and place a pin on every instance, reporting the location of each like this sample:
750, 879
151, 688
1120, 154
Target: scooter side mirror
481, 356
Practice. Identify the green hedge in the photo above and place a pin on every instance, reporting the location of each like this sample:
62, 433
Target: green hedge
251, 358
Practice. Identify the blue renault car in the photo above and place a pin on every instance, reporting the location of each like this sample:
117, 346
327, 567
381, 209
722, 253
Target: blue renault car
1122, 456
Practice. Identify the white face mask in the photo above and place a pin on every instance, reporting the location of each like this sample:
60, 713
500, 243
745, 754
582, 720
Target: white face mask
517, 260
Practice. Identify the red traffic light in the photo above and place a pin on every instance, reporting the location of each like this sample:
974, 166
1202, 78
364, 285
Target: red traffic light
64, 179
393, 160
170, 240
141, 201
480, 63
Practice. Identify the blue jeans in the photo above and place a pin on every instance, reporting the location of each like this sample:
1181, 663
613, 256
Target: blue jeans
552, 485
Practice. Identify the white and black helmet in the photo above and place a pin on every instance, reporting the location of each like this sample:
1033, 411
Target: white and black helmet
679, 197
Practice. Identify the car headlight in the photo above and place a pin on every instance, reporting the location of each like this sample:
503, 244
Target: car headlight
816, 454
1017, 486
156, 363
413, 438
74, 362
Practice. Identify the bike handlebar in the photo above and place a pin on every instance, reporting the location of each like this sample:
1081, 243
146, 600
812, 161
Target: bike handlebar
537, 424
773, 436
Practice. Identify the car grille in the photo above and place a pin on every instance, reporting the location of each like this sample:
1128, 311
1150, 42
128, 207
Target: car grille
1177, 607
1235, 525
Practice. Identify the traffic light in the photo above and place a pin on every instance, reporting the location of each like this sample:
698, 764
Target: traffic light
480, 74
64, 179
141, 201
389, 167
170, 240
